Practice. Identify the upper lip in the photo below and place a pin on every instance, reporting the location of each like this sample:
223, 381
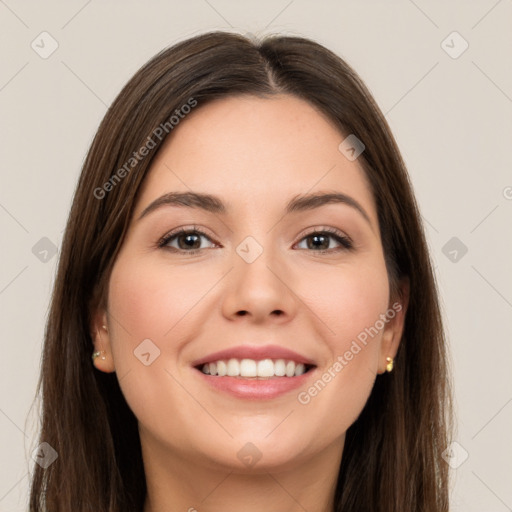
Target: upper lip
257, 353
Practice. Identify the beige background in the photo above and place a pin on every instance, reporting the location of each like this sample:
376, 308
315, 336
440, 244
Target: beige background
452, 118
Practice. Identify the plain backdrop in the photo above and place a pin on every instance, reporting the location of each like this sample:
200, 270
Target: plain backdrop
440, 71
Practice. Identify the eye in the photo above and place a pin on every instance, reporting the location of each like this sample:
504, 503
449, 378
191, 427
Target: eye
186, 240
320, 241
189, 241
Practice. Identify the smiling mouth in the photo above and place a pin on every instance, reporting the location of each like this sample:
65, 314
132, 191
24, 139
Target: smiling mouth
254, 369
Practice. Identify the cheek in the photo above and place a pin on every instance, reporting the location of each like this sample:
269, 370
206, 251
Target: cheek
160, 303
153, 302
349, 303
149, 301
348, 300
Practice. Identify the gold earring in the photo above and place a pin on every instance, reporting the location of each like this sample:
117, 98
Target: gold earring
105, 327
389, 366
99, 353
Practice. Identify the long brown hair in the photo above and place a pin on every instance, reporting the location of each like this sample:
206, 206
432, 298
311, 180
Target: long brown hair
392, 455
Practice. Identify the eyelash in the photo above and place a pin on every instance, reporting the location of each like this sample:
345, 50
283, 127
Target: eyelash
344, 241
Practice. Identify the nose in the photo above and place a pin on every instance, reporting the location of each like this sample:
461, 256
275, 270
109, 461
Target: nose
262, 291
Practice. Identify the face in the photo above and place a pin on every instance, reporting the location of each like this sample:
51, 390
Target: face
258, 270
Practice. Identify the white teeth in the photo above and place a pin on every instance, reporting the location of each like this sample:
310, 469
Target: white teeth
251, 368
266, 368
300, 369
248, 368
221, 368
280, 368
233, 368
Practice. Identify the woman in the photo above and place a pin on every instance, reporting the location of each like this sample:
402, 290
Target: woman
245, 262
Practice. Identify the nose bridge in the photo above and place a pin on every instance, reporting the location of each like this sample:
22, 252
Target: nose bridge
257, 284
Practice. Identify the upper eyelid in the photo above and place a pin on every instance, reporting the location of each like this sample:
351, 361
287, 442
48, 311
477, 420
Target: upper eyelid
323, 229
185, 230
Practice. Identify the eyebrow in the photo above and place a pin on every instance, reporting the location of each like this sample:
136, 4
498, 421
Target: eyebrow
214, 204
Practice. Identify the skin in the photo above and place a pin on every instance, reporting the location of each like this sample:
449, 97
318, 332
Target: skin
255, 154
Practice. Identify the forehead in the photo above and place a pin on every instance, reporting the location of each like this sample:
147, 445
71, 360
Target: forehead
256, 150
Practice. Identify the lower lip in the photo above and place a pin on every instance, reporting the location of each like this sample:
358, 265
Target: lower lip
256, 389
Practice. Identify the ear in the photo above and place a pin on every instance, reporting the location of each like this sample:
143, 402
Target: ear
394, 326
101, 340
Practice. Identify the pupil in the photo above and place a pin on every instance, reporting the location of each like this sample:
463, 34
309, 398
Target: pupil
320, 238
190, 242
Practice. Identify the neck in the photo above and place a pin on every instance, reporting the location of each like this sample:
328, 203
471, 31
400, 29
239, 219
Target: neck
180, 482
